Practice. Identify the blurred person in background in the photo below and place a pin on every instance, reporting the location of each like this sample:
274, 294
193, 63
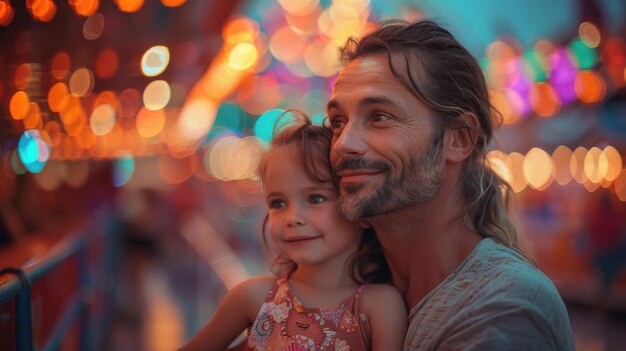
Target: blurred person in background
411, 121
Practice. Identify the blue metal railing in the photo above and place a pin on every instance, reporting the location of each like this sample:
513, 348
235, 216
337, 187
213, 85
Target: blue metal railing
18, 286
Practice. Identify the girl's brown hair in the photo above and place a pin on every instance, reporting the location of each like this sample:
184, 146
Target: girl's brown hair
313, 142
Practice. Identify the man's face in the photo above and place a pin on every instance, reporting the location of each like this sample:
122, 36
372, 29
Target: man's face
384, 151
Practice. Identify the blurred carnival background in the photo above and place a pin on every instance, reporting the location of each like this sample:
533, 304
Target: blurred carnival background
129, 132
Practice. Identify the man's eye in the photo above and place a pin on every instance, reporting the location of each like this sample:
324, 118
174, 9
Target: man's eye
379, 117
276, 204
336, 123
317, 199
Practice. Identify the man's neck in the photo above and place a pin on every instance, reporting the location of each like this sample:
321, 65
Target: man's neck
424, 245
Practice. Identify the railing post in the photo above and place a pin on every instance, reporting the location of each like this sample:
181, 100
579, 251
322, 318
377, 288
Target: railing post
23, 312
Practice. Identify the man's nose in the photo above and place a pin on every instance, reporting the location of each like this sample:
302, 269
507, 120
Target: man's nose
350, 141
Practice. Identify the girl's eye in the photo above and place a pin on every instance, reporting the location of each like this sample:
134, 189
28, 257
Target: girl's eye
276, 204
317, 199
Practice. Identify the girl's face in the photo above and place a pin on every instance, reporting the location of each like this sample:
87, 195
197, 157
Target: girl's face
304, 222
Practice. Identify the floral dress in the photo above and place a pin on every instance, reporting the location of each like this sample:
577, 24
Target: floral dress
284, 324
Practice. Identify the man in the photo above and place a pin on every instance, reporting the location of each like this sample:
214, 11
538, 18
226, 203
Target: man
411, 121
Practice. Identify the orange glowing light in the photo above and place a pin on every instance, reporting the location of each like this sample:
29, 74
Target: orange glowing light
129, 6
620, 185
305, 24
287, 45
93, 26
60, 65
23, 76
81, 82
129, 102
561, 157
577, 164
44, 10
538, 168
107, 63
177, 170
589, 86
54, 131
299, 7
544, 100
33, 118
150, 123
85, 8
19, 105
107, 97
240, 30
55, 96
6, 13
74, 120
85, 139
173, 3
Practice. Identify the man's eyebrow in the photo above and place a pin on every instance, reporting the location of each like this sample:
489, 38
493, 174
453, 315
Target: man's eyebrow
370, 100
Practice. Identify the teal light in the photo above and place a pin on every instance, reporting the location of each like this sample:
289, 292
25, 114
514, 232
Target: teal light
271, 120
318, 119
535, 66
123, 170
33, 151
584, 56
228, 116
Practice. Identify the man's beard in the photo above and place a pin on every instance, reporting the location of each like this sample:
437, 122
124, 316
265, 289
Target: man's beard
418, 183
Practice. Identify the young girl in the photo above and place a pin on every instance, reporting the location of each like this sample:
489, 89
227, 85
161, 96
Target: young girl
325, 298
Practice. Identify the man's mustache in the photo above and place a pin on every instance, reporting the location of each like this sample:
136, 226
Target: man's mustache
360, 163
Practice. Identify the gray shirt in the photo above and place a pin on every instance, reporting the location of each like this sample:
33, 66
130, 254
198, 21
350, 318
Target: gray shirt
495, 300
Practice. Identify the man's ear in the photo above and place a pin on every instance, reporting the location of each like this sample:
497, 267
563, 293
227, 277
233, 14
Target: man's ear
460, 142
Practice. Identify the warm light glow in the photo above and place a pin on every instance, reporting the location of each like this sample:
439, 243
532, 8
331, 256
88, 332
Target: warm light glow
43, 10
93, 27
538, 168
55, 96
610, 163
589, 34
591, 165
561, 157
322, 59
544, 100
150, 123
589, 86
620, 185
177, 170
129, 5
54, 131
240, 30
287, 45
156, 95
298, 7
23, 76
243, 56
196, 119
107, 63
515, 162
497, 161
155, 60
577, 164
19, 105
173, 3
102, 119
33, 118
6, 13
85, 7
510, 115
60, 66
81, 82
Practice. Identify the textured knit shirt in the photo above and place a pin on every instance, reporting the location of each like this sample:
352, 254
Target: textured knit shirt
495, 300
284, 324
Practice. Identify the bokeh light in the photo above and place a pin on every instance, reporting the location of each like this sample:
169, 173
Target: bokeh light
129, 6
610, 163
33, 150
102, 119
93, 27
561, 157
156, 95
60, 66
270, 121
590, 86
123, 170
107, 63
19, 105
538, 168
149, 122
243, 56
155, 60
196, 119
81, 82
589, 34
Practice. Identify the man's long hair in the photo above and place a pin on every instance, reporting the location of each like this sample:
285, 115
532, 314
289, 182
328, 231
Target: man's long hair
445, 76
